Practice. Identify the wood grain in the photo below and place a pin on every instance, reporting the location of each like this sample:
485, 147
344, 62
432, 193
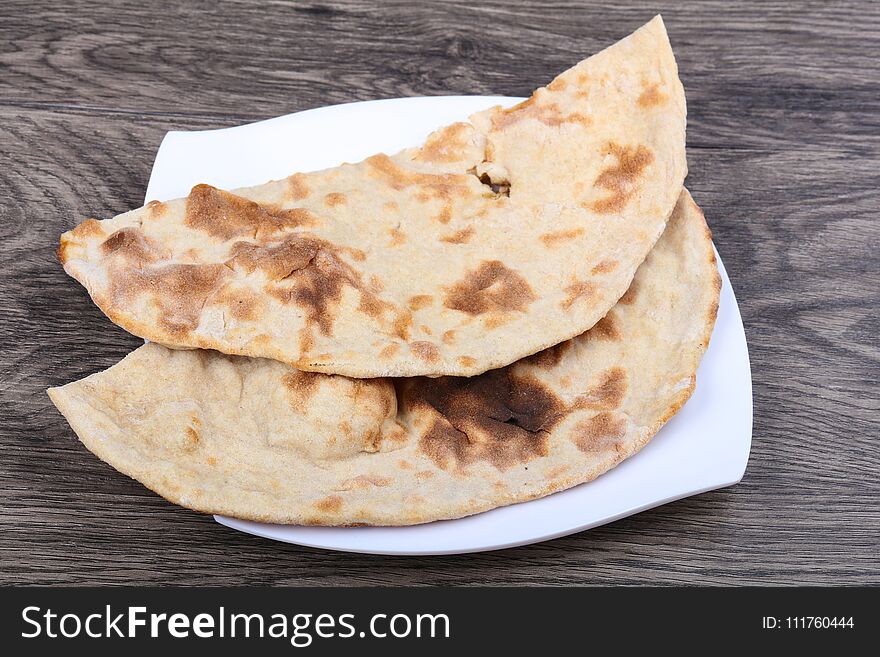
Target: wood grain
784, 149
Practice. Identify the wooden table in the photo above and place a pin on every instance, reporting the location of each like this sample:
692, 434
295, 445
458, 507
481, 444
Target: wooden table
784, 151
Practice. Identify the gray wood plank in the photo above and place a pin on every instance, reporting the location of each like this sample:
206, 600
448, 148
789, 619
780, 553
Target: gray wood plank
784, 146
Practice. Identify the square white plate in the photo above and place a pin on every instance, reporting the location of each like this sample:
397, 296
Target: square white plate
705, 446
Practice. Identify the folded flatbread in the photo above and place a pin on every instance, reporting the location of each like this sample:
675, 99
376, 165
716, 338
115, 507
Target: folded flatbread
255, 438
495, 239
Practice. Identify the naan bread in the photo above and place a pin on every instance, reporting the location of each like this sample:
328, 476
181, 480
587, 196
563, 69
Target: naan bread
258, 439
495, 239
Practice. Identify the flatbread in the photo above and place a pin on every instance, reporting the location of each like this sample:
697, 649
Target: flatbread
495, 239
257, 439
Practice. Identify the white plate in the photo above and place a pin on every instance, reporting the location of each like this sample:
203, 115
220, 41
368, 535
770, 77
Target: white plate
705, 446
